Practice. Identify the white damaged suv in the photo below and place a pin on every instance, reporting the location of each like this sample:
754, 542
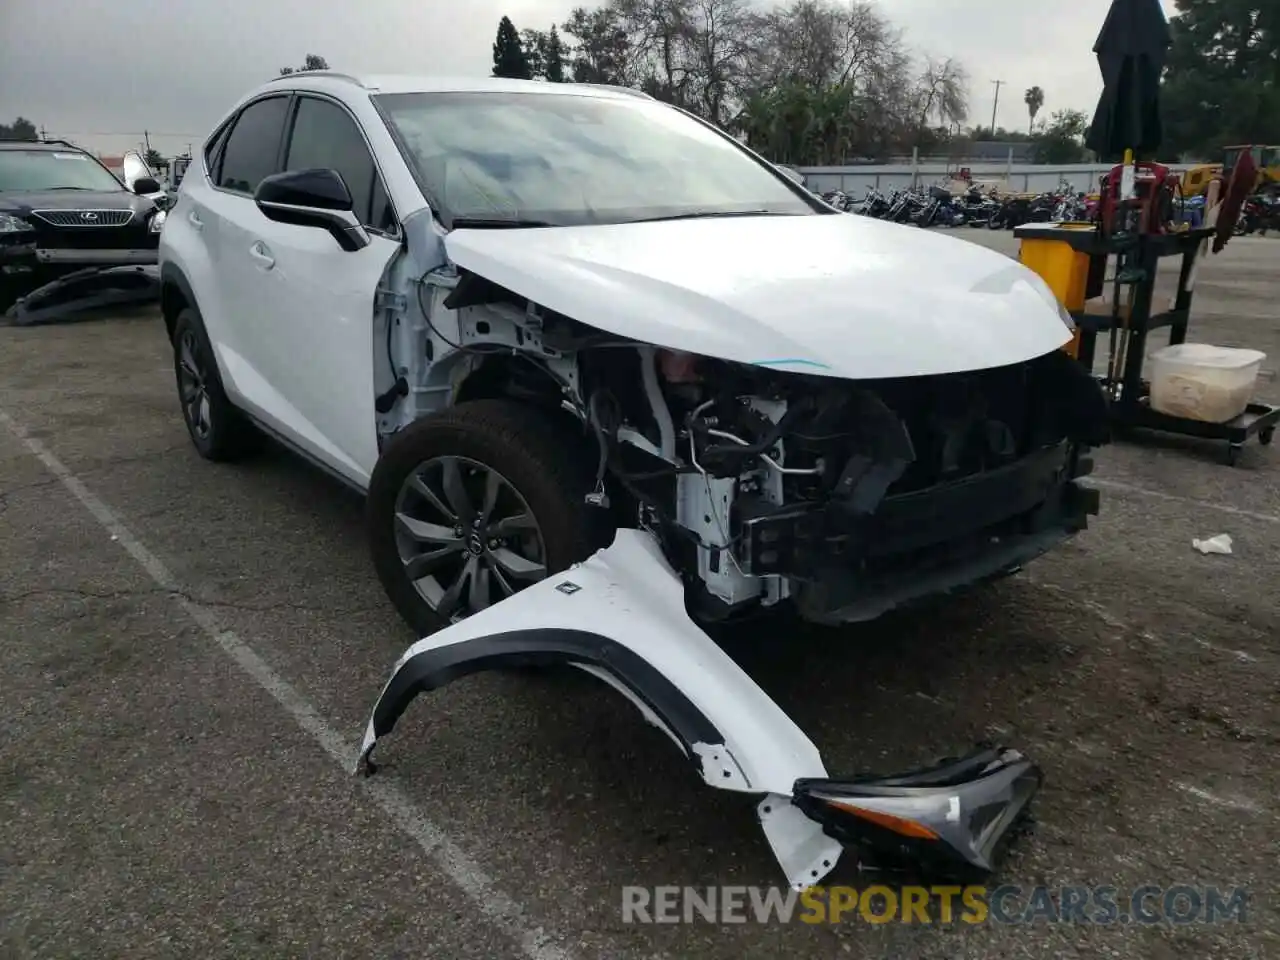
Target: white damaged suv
606, 377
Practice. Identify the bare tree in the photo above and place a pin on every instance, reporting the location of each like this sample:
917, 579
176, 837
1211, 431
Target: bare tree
660, 33
814, 81
942, 93
602, 49
722, 45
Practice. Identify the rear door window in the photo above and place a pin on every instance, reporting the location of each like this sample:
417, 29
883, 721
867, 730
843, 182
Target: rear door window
252, 151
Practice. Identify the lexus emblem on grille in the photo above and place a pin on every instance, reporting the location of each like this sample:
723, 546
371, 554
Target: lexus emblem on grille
89, 215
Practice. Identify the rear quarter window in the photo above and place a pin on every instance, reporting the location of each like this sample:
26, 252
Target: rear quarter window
252, 149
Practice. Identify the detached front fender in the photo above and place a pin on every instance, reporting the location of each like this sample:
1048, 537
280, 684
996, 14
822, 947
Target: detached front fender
620, 616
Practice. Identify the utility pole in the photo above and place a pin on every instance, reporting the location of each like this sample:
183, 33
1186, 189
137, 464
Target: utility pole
995, 106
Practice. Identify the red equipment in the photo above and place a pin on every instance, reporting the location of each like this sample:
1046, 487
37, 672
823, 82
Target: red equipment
1243, 177
1151, 209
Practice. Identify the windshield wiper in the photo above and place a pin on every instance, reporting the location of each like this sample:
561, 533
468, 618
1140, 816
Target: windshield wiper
487, 223
710, 214
68, 188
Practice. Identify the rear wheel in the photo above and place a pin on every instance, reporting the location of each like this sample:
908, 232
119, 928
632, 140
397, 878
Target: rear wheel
471, 505
217, 429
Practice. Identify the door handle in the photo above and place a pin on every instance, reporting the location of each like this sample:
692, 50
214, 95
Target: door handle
260, 253
194, 219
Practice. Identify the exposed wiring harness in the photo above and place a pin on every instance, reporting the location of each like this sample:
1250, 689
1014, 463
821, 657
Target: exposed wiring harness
740, 448
602, 410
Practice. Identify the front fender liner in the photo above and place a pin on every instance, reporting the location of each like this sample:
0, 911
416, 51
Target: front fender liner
620, 616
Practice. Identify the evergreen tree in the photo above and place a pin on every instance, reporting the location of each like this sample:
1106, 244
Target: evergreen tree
509, 59
553, 59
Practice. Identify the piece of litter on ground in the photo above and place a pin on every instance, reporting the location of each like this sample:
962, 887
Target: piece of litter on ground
1219, 544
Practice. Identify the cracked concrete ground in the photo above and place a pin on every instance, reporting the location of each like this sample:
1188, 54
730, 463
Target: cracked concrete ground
156, 801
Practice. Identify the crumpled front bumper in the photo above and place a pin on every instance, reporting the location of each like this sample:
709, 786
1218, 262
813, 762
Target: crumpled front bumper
621, 617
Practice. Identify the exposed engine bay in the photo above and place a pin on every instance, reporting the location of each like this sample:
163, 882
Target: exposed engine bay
764, 485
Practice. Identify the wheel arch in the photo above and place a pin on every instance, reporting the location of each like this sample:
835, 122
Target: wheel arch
176, 295
519, 379
659, 701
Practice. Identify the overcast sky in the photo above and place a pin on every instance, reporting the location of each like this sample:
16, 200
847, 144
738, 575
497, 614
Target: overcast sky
103, 72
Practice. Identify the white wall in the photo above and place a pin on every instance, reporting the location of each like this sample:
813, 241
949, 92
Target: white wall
1024, 177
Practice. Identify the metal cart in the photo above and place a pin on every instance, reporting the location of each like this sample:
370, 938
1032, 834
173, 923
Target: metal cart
1073, 259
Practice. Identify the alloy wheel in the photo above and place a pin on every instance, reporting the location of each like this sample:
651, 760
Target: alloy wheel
466, 537
193, 386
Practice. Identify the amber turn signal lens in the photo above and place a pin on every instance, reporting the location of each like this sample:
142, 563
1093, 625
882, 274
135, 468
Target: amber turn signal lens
907, 828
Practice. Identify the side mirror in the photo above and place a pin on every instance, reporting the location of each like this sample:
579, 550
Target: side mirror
312, 198
144, 185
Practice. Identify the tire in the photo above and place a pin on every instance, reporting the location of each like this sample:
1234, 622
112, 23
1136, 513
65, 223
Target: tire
8, 296
222, 434
996, 222
543, 463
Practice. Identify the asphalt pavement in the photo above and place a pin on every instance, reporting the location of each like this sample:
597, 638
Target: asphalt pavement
189, 653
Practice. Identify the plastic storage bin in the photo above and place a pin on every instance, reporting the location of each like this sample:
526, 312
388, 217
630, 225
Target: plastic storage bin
1202, 382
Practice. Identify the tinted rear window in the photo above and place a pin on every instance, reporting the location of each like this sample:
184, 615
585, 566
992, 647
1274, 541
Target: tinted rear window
253, 148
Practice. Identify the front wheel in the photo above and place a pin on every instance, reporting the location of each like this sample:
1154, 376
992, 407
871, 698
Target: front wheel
469, 506
217, 429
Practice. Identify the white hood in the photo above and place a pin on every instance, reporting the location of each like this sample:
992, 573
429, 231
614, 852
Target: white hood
838, 295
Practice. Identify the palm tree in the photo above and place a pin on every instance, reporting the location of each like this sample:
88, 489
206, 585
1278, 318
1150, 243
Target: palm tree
1034, 99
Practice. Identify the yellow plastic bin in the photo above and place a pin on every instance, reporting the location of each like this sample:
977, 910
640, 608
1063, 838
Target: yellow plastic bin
1059, 253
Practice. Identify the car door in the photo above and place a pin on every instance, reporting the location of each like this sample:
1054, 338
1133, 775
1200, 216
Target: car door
317, 300
224, 214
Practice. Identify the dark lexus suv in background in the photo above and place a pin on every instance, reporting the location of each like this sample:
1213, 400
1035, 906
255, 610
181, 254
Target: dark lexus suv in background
62, 211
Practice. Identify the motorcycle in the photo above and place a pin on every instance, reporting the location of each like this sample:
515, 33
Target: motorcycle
1258, 215
940, 210
1070, 209
978, 207
1015, 211
838, 199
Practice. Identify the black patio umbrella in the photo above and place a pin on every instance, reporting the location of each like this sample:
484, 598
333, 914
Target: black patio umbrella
1131, 52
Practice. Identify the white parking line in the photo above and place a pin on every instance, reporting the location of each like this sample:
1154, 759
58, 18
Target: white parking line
499, 909
1226, 803
1192, 501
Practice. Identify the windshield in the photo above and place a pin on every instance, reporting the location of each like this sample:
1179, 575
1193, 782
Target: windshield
562, 160
33, 170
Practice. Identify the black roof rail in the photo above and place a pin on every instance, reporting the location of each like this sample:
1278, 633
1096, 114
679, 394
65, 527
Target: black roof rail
50, 143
